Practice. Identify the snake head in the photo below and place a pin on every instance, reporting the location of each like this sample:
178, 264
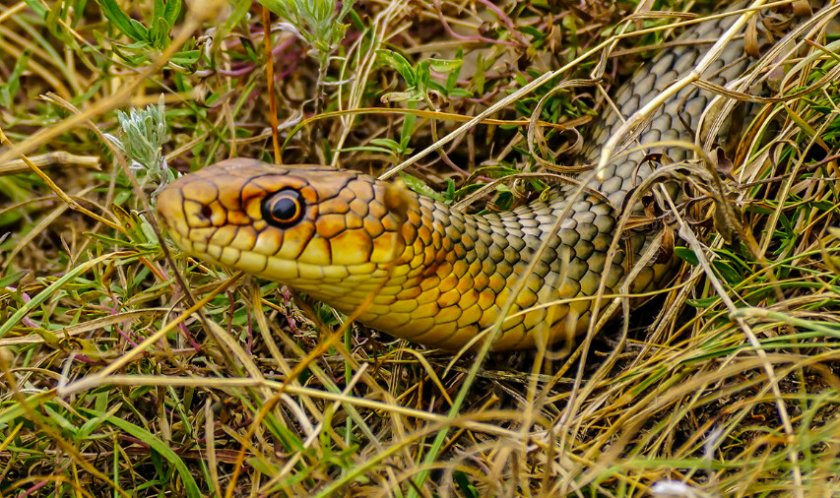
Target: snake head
306, 226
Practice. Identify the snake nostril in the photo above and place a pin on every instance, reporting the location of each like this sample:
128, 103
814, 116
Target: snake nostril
206, 212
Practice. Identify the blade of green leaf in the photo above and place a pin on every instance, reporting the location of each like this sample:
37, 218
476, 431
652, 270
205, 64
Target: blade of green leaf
122, 22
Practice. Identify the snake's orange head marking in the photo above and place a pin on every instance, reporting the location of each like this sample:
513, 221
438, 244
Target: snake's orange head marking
304, 226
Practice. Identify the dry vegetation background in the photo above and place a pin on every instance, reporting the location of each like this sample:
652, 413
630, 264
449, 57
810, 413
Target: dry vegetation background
128, 370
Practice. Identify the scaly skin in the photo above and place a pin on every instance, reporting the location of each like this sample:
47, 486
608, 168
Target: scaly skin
439, 276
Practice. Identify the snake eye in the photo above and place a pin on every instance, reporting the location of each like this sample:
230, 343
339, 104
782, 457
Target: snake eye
283, 209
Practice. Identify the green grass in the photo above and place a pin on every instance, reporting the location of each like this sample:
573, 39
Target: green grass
130, 370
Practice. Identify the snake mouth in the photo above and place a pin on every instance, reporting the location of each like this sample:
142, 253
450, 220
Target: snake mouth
170, 211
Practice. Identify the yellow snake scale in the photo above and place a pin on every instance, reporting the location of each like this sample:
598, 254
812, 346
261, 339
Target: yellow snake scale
438, 276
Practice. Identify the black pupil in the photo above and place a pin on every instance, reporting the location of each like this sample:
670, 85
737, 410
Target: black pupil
284, 209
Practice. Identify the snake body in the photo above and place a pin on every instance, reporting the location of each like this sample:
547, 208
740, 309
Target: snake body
437, 276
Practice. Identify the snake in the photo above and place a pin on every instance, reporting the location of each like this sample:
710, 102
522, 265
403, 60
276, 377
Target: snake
419, 269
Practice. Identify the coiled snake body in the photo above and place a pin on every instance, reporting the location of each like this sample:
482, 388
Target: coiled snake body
435, 275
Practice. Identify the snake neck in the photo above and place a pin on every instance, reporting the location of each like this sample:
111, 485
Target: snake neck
459, 274
673, 127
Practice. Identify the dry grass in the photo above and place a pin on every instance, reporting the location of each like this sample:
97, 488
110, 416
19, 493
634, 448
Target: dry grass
130, 370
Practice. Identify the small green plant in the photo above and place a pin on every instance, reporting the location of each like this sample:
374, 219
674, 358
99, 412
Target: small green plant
165, 14
419, 85
145, 131
316, 22
418, 78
